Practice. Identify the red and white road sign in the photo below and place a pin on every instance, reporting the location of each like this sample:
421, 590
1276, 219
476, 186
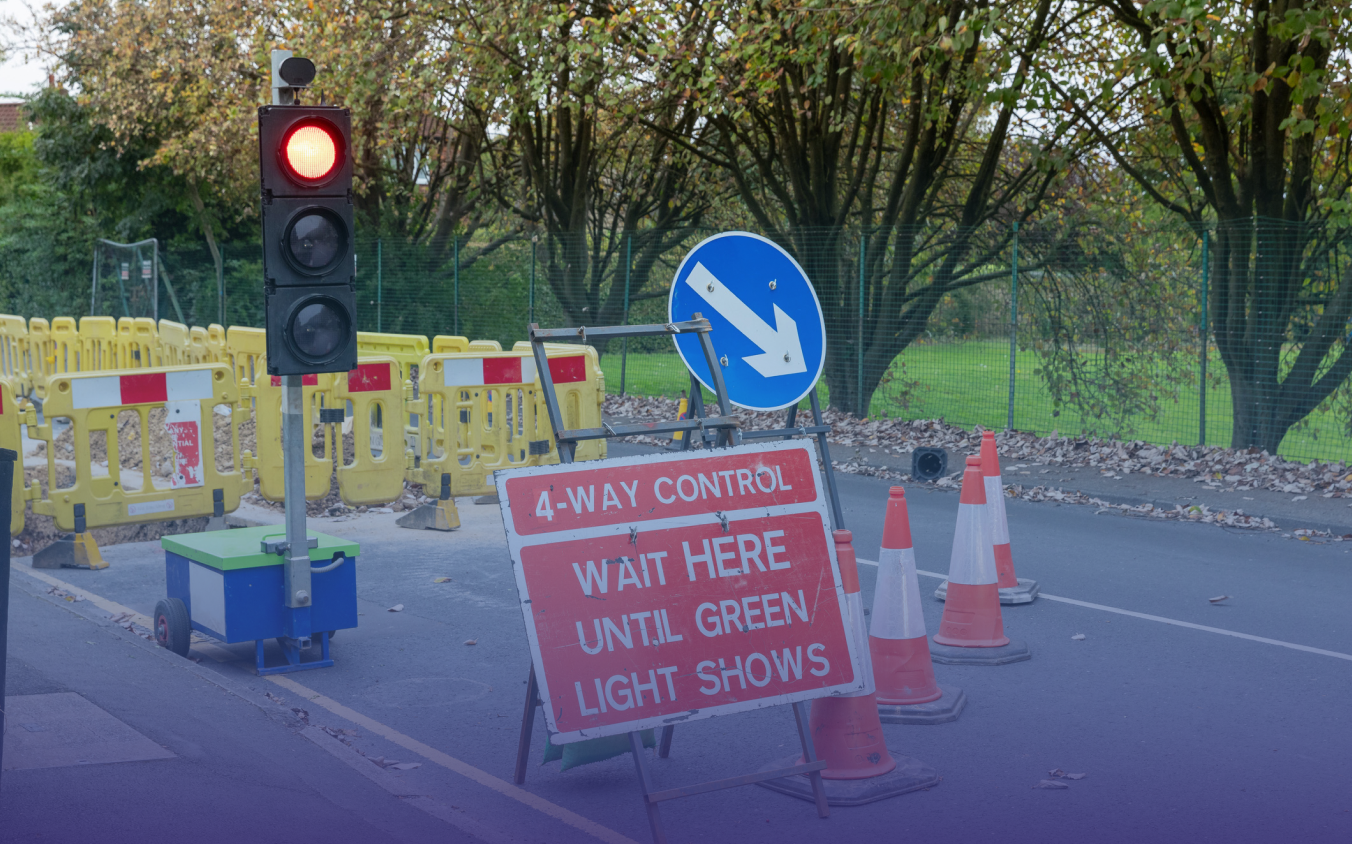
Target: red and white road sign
661, 589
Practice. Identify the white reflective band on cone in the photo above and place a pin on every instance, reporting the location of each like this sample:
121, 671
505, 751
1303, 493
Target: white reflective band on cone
973, 561
995, 502
897, 612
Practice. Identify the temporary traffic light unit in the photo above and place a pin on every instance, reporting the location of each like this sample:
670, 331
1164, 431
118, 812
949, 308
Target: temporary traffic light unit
305, 161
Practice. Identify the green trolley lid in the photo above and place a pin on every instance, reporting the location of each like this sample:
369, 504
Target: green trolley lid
241, 548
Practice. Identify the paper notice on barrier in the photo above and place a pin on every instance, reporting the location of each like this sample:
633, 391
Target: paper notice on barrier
665, 588
183, 421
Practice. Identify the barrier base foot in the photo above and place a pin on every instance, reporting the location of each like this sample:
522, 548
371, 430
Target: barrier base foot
1024, 593
72, 551
1015, 651
217, 523
487, 499
909, 775
439, 516
941, 711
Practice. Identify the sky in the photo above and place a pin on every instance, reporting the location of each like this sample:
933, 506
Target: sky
18, 75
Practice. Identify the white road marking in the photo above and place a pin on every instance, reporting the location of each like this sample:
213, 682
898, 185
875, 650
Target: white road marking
1162, 620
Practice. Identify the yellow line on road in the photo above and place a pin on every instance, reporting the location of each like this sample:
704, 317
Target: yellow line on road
445, 760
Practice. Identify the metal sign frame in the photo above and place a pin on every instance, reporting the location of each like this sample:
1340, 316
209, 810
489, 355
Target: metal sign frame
723, 430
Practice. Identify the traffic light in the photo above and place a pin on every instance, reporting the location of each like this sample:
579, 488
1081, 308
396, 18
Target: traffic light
305, 160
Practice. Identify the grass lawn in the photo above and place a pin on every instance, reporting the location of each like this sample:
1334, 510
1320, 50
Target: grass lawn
967, 384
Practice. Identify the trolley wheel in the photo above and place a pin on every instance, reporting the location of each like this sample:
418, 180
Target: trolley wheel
173, 630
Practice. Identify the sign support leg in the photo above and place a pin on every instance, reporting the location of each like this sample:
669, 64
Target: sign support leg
810, 755
645, 784
527, 727
664, 745
830, 473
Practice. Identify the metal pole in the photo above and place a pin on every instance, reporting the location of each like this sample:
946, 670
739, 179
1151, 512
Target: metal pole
861, 405
155, 275
534, 239
297, 569
7, 458
455, 271
1203, 330
624, 352
1013, 326
94, 286
380, 288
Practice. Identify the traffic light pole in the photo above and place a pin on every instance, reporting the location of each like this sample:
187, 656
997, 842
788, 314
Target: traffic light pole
297, 568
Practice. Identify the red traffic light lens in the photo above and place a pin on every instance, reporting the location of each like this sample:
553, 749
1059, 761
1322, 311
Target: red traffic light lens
311, 152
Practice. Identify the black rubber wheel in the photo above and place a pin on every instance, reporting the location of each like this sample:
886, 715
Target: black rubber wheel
173, 630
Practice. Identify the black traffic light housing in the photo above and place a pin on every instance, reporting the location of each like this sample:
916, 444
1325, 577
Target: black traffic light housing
305, 165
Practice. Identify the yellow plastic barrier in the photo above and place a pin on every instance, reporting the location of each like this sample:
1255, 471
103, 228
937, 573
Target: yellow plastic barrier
98, 343
408, 349
39, 334
246, 348
138, 343
581, 390
11, 437
376, 395
267, 396
485, 346
14, 351
175, 344
478, 413
446, 344
173, 406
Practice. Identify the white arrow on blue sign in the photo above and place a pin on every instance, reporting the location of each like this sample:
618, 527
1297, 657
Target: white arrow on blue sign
766, 321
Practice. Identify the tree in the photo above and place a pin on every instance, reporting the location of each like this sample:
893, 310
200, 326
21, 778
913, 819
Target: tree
603, 174
1236, 117
918, 124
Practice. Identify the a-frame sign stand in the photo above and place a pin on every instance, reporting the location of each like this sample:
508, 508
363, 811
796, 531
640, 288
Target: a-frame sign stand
720, 431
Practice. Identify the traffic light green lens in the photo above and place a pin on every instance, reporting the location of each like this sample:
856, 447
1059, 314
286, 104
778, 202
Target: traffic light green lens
318, 329
316, 241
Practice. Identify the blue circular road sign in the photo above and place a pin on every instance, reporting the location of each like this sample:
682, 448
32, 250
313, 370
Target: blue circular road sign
767, 325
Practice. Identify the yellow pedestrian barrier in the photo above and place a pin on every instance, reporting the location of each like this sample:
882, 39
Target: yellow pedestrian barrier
408, 349
485, 346
445, 344
14, 352
11, 437
246, 348
478, 412
581, 390
138, 343
98, 343
39, 333
375, 392
139, 447
175, 344
267, 396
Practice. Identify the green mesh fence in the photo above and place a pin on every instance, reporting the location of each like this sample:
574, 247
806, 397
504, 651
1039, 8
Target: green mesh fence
1068, 327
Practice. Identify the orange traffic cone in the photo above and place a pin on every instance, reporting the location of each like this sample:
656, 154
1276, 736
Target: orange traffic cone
903, 672
1013, 590
971, 631
847, 732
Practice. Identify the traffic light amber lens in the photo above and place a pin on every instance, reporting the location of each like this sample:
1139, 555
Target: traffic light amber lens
311, 152
316, 240
318, 329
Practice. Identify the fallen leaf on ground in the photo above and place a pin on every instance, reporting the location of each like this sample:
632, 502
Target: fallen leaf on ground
1056, 773
397, 608
404, 766
471, 641
1079, 637
1051, 784
1219, 598
441, 580
1076, 776
301, 714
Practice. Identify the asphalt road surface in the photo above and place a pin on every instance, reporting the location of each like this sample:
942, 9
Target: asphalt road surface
1196, 731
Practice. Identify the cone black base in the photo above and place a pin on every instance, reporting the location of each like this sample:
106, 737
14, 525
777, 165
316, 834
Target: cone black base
1024, 593
909, 775
941, 711
1015, 651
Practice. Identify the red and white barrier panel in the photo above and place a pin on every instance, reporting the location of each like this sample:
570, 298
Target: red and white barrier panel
488, 372
141, 388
